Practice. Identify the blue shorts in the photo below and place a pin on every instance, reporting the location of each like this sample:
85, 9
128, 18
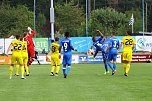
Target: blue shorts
112, 57
105, 56
67, 59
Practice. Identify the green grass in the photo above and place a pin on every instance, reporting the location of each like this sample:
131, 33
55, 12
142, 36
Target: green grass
86, 82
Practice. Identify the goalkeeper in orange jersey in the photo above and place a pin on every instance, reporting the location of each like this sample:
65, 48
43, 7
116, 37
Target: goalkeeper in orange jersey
55, 57
128, 43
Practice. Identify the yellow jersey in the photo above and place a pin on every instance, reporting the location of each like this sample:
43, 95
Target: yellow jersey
24, 47
17, 46
128, 43
55, 48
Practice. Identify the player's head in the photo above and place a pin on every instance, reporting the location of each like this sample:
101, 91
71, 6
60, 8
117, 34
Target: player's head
93, 38
21, 38
17, 37
128, 33
67, 34
56, 39
25, 34
52, 40
113, 34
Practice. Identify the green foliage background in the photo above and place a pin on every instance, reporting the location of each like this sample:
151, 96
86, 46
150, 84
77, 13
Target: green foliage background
106, 15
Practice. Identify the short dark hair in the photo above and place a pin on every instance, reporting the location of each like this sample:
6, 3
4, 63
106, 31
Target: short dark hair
67, 34
25, 33
17, 36
21, 38
56, 39
114, 33
52, 40
129, 33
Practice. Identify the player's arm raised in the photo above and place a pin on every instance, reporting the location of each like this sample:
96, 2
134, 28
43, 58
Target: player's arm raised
100, 33
31, 32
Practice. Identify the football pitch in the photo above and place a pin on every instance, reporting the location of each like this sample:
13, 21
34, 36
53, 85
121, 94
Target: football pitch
86, 82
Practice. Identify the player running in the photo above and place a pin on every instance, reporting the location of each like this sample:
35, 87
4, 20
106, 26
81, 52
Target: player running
113, 51
67, 54
128, 43
55, 57
16, 47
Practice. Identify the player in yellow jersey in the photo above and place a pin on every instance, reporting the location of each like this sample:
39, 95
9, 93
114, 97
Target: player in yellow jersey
128, 43
16, 47
55, 57
25, 55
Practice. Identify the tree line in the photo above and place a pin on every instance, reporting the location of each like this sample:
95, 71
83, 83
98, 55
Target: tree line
105, 15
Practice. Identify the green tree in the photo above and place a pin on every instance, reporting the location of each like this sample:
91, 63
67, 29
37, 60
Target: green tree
14, 20
68, 18
107, 20
40, 22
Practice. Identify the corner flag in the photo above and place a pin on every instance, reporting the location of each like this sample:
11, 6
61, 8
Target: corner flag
131, 21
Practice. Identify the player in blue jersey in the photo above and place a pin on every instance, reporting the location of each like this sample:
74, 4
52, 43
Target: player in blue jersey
105, 53
113, 51
102, 44
98, 44
67, 53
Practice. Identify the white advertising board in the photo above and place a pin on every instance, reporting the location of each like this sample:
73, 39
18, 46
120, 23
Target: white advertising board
143, 43
2, 46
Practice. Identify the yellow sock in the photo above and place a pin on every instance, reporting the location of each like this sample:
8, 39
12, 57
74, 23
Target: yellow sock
128, 68
124, 65
11, 71
27, 70
57, 69
22, 71
17, 68
53, 68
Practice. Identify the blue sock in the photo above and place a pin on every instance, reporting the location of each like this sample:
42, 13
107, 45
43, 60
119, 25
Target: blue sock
67, 70
106, 67
110, 65
64, 69
114, 66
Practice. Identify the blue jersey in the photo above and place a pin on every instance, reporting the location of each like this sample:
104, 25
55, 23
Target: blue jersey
67, 56
98, 43
115, 44
66, 44
105, 45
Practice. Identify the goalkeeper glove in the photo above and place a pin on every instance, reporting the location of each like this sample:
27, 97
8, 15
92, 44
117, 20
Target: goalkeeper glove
29, 29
